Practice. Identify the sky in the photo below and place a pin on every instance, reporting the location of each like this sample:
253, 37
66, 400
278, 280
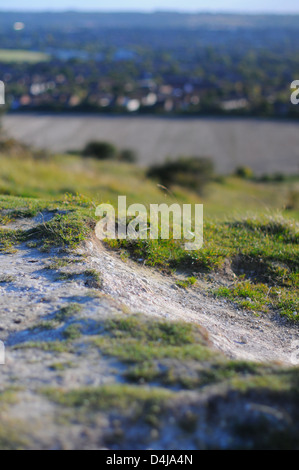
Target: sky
254, 6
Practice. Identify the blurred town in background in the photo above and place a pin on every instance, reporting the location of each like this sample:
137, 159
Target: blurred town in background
150, 63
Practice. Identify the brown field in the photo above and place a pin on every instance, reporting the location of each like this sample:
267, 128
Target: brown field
264, 145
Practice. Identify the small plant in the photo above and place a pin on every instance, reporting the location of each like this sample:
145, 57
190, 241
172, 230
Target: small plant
72, 332
60, 366
67, 312
9, 238
66, 230
32, 244
93, 279
190, 281
44, 326
124, 255
6, 278
57, 263
63, 276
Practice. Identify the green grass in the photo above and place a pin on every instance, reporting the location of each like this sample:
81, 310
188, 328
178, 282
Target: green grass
224, 240
61, 366
63, 230
192, 375
62, 276
10, 238
175, 354
260, 298
262, 252
19, 56
107, 397
17, 213
72, 332
93, 279
173, 334
67, 312
134, 351
11, 433
11, 437
135, 340
44, 326
47, 346
8, 397
144, 404
102, 181
190, 281
57, 263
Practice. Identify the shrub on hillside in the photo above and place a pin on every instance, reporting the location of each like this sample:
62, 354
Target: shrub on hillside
244, 172
100, 150
191, 172
107, 151
270, 178
128, 156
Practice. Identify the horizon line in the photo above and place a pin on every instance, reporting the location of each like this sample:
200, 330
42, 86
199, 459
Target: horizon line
154, 11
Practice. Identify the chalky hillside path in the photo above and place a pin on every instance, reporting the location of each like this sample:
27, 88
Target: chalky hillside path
31, 295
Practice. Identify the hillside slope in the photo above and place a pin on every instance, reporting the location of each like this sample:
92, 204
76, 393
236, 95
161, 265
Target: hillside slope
126, 345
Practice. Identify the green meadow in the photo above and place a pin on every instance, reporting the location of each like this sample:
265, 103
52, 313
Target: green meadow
20, 56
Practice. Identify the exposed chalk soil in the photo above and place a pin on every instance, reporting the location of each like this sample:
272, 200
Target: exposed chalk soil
239, 334
43, 351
